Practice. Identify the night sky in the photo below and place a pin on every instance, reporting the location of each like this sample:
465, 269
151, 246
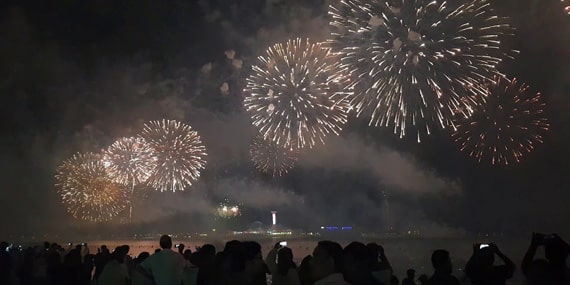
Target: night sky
77, 75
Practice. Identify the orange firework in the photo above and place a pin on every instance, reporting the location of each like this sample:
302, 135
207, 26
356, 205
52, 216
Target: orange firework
87, 191
510, 124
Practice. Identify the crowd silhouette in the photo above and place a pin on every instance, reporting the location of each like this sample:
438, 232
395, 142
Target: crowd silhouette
240, 263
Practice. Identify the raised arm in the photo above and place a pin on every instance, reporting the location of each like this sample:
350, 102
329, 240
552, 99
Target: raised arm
509, 264
531, 252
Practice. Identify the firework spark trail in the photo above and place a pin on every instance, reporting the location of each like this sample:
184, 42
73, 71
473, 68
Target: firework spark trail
296, 95
507, 127
129, 161
87, 191
179, 154
414, 62
271, 158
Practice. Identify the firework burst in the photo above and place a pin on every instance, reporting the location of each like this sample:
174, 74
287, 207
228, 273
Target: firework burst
296, 94
227, 210
179, 153
87, 191
271, 158
129, 161
413, 60
509, 125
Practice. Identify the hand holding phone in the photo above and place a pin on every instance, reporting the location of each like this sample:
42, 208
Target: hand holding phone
283, 243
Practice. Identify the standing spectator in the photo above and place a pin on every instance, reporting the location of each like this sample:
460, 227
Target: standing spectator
442, 269
326, 264
553, 269
480, 268
166, 266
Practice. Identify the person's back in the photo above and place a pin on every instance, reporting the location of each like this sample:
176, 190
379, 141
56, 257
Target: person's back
327, 264
166, 266
114, 273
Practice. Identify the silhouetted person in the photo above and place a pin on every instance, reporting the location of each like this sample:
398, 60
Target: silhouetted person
101, 258
382, 269
326, 264
480, 268
5, 264
410, 277
359, 261
115, 271
136, 277
553, 270
305, 271
72, 266
286, 273
442, 269
256, 269
166, 266
54, 265
205, 260
87, 269
233, 261
180, 248
190, 273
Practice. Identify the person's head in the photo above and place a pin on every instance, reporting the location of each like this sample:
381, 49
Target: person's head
187, 254
208, 250
411, 273
357, 262
253, 249
165, 242
119, 254
284, 260
125, 248
441, 261
180, 248
327, 259
233, 245
142, 256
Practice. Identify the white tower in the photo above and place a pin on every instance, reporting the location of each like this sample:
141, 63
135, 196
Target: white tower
274, 218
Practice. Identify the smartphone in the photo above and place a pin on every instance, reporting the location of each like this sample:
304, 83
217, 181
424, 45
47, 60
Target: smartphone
177, 245
483, 245
69, 243
283, 243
